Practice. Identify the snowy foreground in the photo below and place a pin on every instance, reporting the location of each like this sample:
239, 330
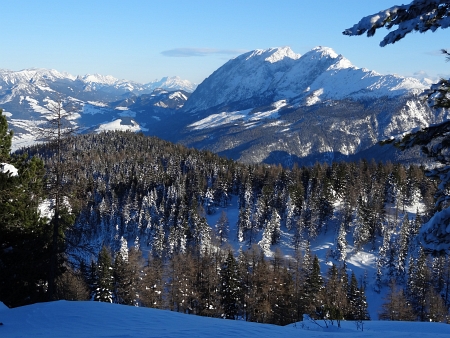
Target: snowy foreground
92, 319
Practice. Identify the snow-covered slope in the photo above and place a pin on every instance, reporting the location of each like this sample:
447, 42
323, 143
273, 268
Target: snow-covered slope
249, 75
94, 319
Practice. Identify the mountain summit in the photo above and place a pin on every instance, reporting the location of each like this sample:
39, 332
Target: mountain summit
273, 74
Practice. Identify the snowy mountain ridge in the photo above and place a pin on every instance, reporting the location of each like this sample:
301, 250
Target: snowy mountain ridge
267, 105
9, 78
31, 75
332, 110
172, 83
279, 73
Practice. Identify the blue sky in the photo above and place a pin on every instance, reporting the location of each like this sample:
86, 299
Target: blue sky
144, 40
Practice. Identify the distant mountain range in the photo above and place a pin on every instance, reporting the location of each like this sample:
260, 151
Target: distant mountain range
102, 101
272, 106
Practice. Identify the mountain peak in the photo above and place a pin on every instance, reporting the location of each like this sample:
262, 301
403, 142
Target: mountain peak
32, 75
97, 78
273, 55
172, 83
281, 53
327, 55
321, 52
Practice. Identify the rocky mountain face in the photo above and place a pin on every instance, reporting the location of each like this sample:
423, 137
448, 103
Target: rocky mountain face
276, 106
272, 106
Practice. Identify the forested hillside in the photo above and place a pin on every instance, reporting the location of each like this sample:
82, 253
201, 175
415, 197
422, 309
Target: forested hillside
148, 205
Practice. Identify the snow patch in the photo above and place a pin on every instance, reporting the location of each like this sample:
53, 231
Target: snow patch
178, 95
7, 168
97, 319
117, 125
93, 109
125, 112
216, 120
97, 103
249, 115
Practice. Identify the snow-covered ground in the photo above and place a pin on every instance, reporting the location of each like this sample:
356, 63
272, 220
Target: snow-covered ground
93, 319
118, 125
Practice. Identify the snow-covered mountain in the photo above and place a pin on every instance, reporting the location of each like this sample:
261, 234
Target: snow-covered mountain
280, 74
109, 83
272, 106
102, 102
277, 106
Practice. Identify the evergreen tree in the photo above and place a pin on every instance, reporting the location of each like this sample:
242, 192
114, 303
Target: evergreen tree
230, 287
357, 301
416, 16
126, 275
419, 284
104, 281
5, 138
199, 228
208, 283
222, 228
159, 241
24, 233
90, 276
313, 288
403, 246
244, 226
56, 131
341, 243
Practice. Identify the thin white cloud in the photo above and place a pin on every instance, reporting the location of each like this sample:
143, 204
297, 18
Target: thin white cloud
189, 52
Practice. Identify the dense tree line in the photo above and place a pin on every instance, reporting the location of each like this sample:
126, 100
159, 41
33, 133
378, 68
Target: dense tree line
215, 283
156, 197
158, 194
422, 16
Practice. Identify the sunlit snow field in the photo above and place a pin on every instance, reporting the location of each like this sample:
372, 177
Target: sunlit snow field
93, 319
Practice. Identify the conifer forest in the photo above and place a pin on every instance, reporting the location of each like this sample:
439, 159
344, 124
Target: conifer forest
134, 230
